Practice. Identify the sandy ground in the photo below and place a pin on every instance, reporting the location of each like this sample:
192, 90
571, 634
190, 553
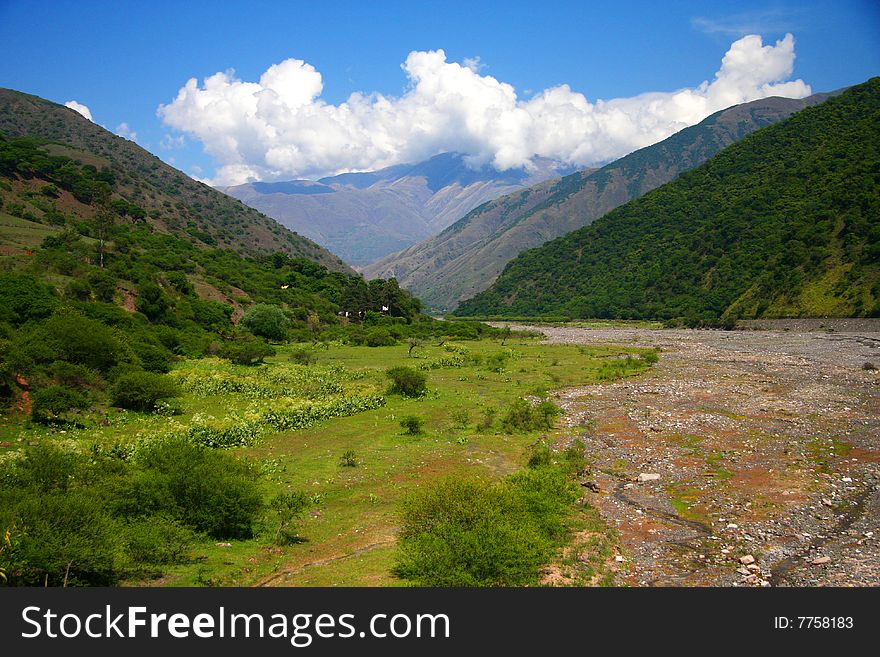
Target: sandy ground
759, 456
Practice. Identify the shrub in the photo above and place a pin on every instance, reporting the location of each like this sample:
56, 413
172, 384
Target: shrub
462, 532
23, 298
380, 337
246, 352
204, 489
54, 404
266, 321
407, 382
348, 459
412, 424
75, 376
651, 357
139, 391
72, 338
153, 358
60, 538
540, 456
487, 420
523, 417
303, 357
461, 418
288, 509
44, 469
102, 284
157, 540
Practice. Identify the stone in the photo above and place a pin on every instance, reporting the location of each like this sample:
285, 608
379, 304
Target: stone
648, 476
747, 559
821, 561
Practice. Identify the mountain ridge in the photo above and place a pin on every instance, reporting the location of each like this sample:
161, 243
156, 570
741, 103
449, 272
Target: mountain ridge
173, 201
468, 256
363, 216
784, 223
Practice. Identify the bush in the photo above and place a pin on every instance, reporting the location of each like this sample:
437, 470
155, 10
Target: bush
522, 417
246, 352
23, 298
157, 540
380, 337
139, 391
461, 418
59, 538
153, 358
487, 420
412, 424
471, 533
72, 338
54, 405
407, 382
302, 357
75, 376
348, 459
266, 321
206, 490
288, 509
540, 456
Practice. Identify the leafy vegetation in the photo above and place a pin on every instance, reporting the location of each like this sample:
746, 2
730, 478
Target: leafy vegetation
407, 382
466, 532
73, 519
783, 223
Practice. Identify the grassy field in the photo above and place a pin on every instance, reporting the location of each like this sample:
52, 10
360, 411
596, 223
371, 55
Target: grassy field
349, 532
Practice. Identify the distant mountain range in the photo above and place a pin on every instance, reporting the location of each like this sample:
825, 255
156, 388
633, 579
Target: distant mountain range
469, 255
784, 223
172, 202
364, 216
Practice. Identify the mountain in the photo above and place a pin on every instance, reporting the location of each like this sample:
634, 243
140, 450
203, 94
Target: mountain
785, 223
469, 255
171, 201
365, 216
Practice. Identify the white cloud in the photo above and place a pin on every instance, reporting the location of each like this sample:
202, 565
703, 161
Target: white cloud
123, 130
80, 108
170, 143
750, 22
279, 127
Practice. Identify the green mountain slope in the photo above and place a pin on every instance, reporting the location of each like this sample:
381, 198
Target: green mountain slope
172, 201
469, 255
784, 223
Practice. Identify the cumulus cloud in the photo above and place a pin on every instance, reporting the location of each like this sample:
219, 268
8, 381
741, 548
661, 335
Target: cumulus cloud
123, 130
80, 108
279, 127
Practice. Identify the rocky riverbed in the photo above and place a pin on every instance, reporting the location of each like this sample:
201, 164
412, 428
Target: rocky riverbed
744, 458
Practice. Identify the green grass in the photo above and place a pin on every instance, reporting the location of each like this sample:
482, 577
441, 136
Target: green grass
23, 234
350, 528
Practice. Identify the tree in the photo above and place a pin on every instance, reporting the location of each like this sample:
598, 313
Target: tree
266, 321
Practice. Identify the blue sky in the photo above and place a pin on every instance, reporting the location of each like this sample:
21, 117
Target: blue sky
124, 59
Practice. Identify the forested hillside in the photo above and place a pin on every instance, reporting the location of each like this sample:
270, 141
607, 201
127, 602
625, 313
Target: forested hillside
159, 195
784, 223
469, 255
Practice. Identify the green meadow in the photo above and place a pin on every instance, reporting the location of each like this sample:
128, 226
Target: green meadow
330, 433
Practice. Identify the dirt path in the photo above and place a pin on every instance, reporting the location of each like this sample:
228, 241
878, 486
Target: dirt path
749, 443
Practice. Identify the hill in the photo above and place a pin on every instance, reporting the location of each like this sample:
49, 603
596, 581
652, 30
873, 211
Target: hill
469, 255
171, 201
365, 216
785, 223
